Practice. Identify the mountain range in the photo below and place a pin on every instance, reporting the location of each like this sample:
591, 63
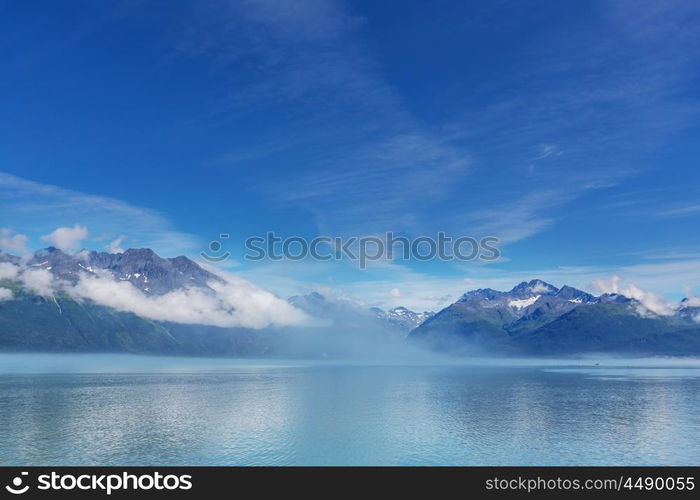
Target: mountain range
536, 318
45, 306
141, 267
41, 311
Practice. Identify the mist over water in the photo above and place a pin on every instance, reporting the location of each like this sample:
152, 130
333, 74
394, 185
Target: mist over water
119, 410
50, 363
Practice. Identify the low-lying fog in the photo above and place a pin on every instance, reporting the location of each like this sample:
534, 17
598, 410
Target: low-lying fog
13, 363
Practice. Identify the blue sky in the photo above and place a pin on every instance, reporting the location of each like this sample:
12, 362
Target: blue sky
567, 129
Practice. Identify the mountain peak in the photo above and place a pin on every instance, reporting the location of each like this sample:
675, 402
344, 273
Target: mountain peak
50, 251
314, 304
142, 267
480, 293
317, 296
614, 298
574, 294
405, 318
534, 287
140, 252
151, 273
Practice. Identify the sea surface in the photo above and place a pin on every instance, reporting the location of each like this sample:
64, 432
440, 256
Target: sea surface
127, 410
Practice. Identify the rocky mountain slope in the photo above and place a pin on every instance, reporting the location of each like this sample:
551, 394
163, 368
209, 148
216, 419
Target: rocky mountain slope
536, 318
44, 314
41, 310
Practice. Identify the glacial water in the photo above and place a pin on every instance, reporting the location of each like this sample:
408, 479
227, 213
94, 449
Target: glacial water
119, 410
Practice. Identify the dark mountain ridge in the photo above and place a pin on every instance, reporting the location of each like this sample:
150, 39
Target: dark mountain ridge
142, 267
533, 318
56, 321
536, 318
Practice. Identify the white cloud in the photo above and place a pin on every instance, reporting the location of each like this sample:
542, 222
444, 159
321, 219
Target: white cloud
115, 246
234, 303
67, 238
39, 281
5, 294
539, 288
395, 292
693, 301
231, 302
13, 242
650, 300
8, 271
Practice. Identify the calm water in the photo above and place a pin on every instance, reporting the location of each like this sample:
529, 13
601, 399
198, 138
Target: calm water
105, 410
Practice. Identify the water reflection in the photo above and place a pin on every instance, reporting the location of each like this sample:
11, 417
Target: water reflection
328, 414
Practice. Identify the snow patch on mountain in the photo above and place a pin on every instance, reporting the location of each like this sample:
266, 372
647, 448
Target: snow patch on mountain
523, 303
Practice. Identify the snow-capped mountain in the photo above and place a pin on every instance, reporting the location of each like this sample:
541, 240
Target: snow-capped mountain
402, 317
142, 267
317, 305
85, 302
533, 300
536, 317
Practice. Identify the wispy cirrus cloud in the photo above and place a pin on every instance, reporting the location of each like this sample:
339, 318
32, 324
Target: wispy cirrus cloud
587, 104
669, 202
521, 218
39, 208
386, 186
314, 68
581, 110
683, 211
